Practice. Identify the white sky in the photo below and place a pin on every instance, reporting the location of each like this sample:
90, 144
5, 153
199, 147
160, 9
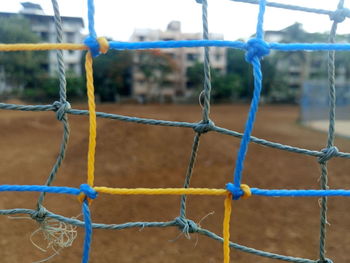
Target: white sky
119, 18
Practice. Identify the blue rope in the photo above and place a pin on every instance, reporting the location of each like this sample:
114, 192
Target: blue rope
257, 48
225, 43
175, 44
40, 188
88, 231
91, 19
259, 26
250, 122
91, 193
299, 193
309, 47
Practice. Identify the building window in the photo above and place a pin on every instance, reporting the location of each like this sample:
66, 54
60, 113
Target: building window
70, 37
192, 57
217, 57
168, 39
141, 38
71, 52
44, 36
171, 55
71, 66
294, 74
45, 67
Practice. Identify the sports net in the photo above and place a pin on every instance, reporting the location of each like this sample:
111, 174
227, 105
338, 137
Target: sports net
256, 48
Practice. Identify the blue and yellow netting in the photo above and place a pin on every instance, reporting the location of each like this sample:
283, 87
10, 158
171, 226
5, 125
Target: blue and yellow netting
256, 48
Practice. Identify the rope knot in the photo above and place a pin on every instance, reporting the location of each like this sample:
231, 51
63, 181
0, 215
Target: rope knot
40, 214
61, 109
328, 153
187, 226
97, 45
203, 127
326, 260
256, 48
238, 192
86, 192
339, 15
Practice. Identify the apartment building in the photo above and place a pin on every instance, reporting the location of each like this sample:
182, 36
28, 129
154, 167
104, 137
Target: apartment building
43, 25
298, 68
175, 84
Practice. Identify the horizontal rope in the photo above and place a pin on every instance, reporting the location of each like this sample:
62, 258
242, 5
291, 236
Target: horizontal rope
42, 46
160, 191
147, 121
179, 44
173, 223
174, 191
290, 7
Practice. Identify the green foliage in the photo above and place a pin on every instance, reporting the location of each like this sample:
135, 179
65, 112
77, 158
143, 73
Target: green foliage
112, 74
47, 89
237, 65
195, 77
225, 87
21, 68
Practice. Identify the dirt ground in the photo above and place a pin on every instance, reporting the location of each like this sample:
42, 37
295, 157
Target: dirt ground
134, 155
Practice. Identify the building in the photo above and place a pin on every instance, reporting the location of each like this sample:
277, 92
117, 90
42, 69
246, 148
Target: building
298, 68
174, 85
44, 26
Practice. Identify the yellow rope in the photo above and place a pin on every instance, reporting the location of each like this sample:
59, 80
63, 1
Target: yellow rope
92, 124
247, 192
160, 191
92, 119
226, 227
42, 46
104, 45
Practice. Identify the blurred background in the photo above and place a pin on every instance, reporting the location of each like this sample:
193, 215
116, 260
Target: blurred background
165, 84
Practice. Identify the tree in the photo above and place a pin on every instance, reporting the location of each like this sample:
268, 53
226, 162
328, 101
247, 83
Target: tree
112, 74
225, 87
155, 67
22, 69
237, 65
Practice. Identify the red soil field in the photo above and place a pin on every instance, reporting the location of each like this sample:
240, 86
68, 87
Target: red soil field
135, 155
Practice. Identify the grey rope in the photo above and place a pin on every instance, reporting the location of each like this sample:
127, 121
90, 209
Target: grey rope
291, 7
195, 126
185, 225
207, 77
189, 174
331, 130
62, 107
255, 251
203, 126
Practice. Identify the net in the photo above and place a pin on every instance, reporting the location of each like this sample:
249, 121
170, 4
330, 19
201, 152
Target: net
256, 48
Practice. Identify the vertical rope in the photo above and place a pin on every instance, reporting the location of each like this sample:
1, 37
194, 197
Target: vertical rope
330, 139
88, 231
91, 18
207, 77
255, 61
226, 227
64, 104
206, 107
92, 119
250, 122
189, 174
259, 26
